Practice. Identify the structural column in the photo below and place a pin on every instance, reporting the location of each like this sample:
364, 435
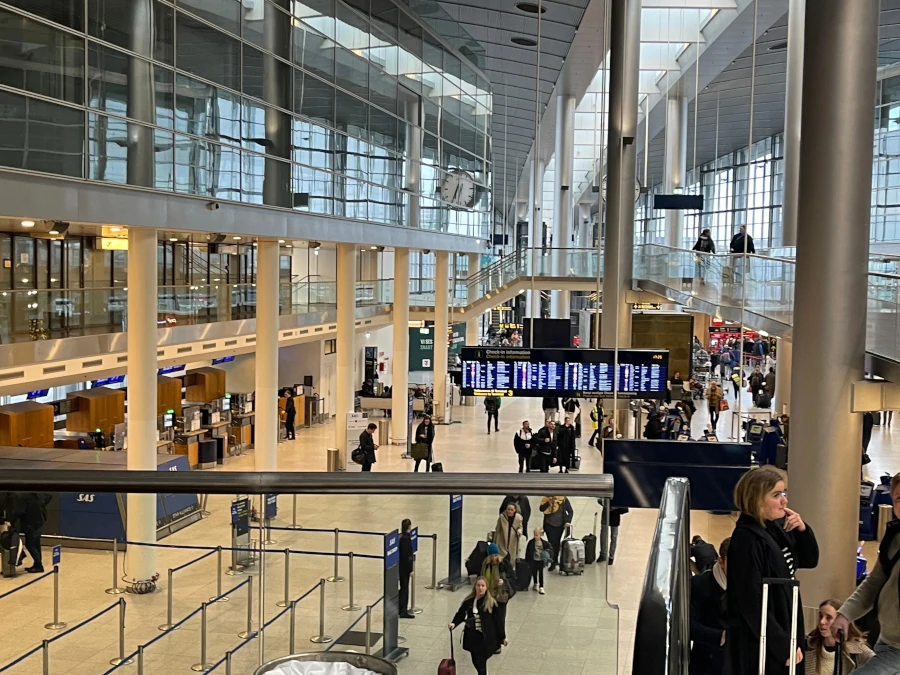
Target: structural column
441, 308
277, 75
562, 199
265, 444
830, 318
140, 519
625, 52
792, 110
346, 334
536, 240
676, 162
472, 332
783, 367
400, 357
141, 155
582, 231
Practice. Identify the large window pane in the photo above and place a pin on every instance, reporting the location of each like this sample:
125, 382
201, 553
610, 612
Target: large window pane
253, 66
223, 13
208, 111
66, 12
352, 115
112, 140
206, 168
317, 101
207, 53
313, 36
312, 144
352, 71
40, 59
41, 136
111, 21
383, 128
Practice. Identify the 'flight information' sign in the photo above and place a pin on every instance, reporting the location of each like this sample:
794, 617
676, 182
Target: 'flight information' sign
580, 373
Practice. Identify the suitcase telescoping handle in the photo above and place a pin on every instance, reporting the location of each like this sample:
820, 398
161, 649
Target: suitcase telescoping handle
596, 516
452, 656
839, 654
795, 593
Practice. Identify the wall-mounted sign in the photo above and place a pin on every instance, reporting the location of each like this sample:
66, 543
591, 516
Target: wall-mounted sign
113, 244
647, 306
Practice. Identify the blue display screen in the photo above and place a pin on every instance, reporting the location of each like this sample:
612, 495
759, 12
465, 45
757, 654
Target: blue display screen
37, 393
224, 359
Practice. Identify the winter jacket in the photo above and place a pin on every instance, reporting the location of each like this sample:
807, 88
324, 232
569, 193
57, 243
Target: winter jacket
506, 535
492, 626
524, 442
367, 444
523, 507
565, 446
757, 553
556, 514
707, 625
550, 403
406, 554
492, 404
705, 245
545, 442
425, 434
856, 653
529, 551
737, 243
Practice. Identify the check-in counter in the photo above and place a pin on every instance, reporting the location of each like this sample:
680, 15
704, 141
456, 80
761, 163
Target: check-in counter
379, 403
99, 408
27, 424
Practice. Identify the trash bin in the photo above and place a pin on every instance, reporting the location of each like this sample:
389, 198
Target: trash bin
326, 663
333, 460
384, 432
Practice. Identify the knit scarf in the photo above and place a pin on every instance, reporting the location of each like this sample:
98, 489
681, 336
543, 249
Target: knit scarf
720, 576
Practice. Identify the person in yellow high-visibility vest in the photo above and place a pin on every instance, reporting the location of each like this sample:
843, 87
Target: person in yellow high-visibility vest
596, 417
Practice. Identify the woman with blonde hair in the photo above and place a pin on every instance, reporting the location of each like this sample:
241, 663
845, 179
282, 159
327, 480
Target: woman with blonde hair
821, 646
770, 541
484, 631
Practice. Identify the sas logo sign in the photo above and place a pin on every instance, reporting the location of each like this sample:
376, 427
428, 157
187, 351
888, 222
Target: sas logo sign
85, 498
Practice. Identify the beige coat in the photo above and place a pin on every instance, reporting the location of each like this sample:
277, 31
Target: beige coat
856, 653
507, 538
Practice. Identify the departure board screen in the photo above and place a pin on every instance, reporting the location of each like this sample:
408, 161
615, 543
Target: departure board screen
583, 373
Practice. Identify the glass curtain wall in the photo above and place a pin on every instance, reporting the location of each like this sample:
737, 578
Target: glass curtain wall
300, 105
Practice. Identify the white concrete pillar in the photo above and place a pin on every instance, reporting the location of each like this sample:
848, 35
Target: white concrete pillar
265, 453
472, 322
345, 384
140, 519
793, 107
400, 357
583, 229
562, 199
441, 309
783, 367
676, 163
536, 239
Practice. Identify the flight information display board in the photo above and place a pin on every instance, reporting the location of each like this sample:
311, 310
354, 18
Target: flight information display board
583, 373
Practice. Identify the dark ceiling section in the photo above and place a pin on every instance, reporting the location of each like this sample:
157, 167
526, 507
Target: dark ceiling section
509, 67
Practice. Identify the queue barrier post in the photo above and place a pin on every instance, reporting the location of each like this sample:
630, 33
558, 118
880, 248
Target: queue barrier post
412, 590
121, 660
114, 589
287, 580
219, 597
227, 663
336, 577
434, 546
294, 511
203, 666
368, 630
293, 631
45, 656
268, 532
140, 659
321, 638
56, 624
169, 625
351, 606
244, 635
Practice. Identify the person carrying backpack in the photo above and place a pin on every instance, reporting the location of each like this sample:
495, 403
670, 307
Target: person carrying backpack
492, 409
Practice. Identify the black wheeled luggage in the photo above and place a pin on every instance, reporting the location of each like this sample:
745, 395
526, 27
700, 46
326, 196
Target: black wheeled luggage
476, 558
590, 544
9, 552
523, 574
764, 401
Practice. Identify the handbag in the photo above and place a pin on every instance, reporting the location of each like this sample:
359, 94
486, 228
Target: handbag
419, 451
358, 455
506, 593
723, 405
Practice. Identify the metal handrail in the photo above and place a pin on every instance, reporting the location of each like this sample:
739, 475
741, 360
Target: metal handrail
662, 640
291, 482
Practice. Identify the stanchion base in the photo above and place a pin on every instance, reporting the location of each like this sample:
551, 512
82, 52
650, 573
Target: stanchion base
200, 667
282, 603
270, 542
415, 610
334, 580
205, 514
121, 662
56, 626
321, 639
351, 608
114, 591
168, 626
223, 599
400, 639
233, 572
244, 635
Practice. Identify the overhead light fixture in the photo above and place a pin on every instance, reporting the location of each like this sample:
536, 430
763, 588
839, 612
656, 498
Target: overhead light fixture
281, 241
27, 223
173, 238
522, 41
316, 252
373, 248
236, 238
531, 8
115, 229
779, 46
59, 229
315, 244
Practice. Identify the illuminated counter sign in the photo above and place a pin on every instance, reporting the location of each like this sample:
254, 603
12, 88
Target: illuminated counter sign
583, 373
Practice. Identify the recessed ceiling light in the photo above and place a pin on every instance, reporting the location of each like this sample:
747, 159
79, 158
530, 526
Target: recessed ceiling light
115, 229
173, 238
531, 7
778, 46
236, 238
523, 41
281, 241
54, 230
27, 223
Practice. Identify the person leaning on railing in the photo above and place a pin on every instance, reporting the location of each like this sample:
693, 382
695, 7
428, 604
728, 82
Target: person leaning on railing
880, 591
769, 541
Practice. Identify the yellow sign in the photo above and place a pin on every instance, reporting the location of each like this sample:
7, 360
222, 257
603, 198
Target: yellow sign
493, 392
501, 308
113, 244
651, 306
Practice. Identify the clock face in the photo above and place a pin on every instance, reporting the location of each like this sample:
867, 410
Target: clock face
458, 189
637, 189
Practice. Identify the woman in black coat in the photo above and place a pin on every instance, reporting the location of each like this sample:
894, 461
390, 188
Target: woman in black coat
484, 631
565, 448
769, 541
425, 434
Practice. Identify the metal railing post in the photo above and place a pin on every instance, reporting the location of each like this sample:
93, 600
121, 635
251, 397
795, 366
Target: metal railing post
268, 530
287, 580
45, 656
433, 585
321, 638
121, 659
204, 499
203, 666
368, 630
219, 597
249, 632
294, 510
57, 624
168, 625
412, 590
336, 577
227, 663
114, 589
292, 641
140, 659
350, 606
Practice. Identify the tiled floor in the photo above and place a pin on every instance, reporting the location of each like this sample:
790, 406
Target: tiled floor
570, 628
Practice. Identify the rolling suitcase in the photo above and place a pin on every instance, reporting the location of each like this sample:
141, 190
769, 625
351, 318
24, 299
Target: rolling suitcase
437, 468
523, 575
448, 666
9, 552
576, 463
764, 401
476, 558
571, 556
794, 585
590, 544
